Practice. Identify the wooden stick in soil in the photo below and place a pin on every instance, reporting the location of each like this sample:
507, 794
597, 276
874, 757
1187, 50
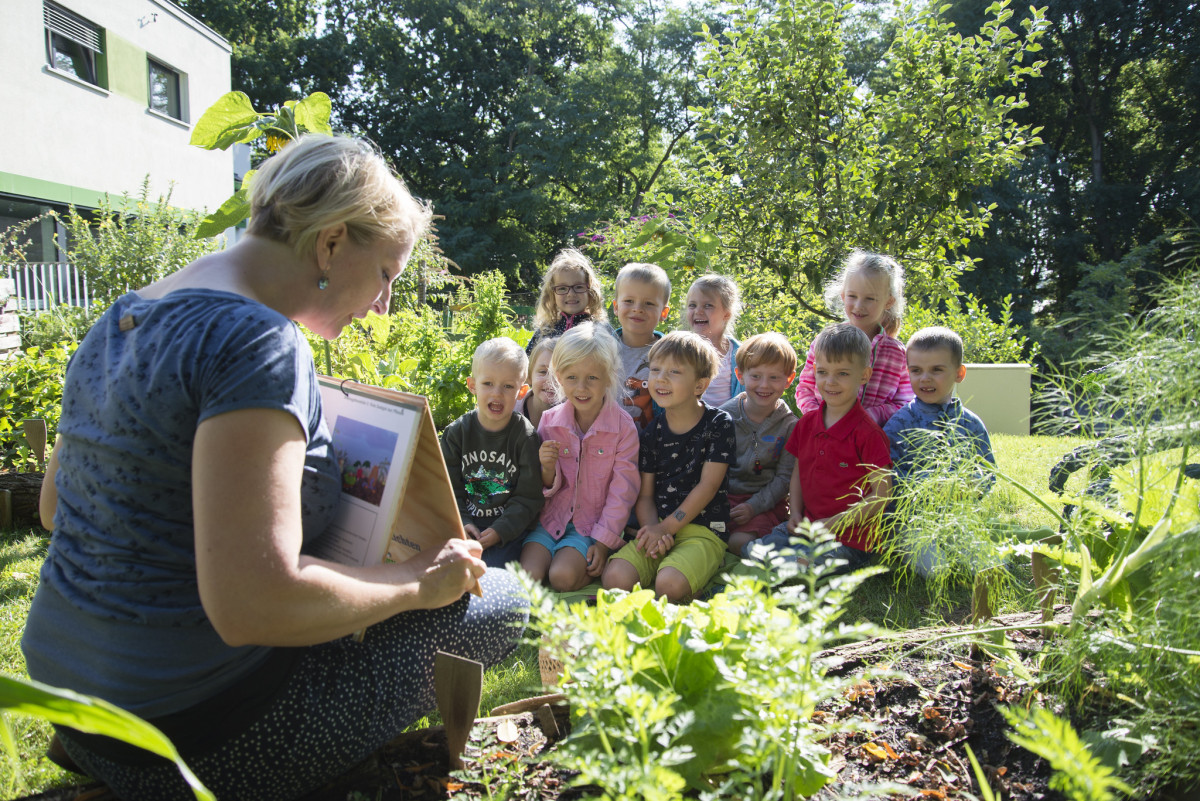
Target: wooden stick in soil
458, 685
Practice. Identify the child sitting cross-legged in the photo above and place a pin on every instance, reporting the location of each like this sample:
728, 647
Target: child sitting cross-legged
934, 431
491, 454
841, 477
683, 506
759, 480
588, 463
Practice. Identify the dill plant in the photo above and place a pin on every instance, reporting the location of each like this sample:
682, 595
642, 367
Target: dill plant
714, 699
1130, 556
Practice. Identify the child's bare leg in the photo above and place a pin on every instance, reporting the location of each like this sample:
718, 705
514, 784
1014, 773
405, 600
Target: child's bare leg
619, 575
739, 540
674, 585
568, 571
535, 560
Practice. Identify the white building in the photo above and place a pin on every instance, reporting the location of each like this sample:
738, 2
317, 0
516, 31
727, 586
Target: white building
100, 94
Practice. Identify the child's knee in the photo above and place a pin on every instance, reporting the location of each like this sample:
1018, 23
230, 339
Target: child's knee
618, 575
567, 576
673, 585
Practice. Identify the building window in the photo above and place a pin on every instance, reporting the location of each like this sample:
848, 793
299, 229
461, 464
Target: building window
164, 90
72, 43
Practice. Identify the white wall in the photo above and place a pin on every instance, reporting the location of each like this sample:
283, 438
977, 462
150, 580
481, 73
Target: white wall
66, 132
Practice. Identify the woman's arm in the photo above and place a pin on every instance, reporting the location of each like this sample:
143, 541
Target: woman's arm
255, 585
48, 497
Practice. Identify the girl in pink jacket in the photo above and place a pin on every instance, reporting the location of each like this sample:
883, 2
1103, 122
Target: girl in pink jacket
589, 459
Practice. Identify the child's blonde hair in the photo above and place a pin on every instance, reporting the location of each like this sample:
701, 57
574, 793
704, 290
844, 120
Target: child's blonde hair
876, 265
589, 340
687, 348
723, 287
567, 259
768, 348
502, 351
541, 346
650, 274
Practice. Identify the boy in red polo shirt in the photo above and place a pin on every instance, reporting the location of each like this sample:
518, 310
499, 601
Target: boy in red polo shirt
841, 477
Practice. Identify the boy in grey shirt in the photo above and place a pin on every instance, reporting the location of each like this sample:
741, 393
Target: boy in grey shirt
758, 481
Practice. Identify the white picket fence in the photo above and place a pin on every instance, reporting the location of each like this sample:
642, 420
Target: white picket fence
40, 286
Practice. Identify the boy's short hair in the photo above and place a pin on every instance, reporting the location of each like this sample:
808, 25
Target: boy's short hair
843, 342
687, 348
768, 348
938, 336
646, 273
502, 351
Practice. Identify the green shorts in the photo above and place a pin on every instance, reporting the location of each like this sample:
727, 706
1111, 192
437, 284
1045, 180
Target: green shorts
697, 554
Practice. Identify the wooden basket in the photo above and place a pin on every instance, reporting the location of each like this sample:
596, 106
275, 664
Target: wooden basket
550, 668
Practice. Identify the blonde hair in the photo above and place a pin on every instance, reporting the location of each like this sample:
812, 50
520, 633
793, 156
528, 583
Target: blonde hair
501, 351
589, 340
650, 274
876, 265
567, 259
316, 182
723, 287
842, 342
542, 345
768, 348
687, 348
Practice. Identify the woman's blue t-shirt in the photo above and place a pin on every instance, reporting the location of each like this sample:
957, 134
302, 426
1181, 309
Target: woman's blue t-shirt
118, 613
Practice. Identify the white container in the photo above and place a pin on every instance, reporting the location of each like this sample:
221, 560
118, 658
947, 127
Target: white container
999, 394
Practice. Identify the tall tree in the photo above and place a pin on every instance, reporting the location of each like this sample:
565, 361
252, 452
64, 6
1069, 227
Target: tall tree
523, 120
805, 163
1119, 111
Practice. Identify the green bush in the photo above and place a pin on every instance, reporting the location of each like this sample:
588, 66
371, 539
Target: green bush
132, 243
62, 324
422, 350
31, 385
985, 341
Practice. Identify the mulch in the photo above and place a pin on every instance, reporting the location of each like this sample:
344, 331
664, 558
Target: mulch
914, 723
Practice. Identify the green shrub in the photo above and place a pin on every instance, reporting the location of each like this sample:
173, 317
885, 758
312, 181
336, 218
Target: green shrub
424, 351
985, 341
61, 324
713, 698
31, 385
132, 243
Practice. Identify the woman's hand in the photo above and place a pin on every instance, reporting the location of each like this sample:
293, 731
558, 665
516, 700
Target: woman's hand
448, 573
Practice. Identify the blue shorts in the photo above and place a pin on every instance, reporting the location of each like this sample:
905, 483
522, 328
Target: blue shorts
570, 539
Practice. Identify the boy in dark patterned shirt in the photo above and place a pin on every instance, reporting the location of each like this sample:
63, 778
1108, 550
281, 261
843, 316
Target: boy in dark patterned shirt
683, 506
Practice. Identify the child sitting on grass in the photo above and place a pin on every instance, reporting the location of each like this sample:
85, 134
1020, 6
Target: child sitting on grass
759, 480
683, 506
491, 454
588, 464
841, 477
641, 294
935, 434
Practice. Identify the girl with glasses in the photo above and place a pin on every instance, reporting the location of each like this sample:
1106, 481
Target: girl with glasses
571, 294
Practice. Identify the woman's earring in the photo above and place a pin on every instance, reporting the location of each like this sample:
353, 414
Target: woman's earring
323, 282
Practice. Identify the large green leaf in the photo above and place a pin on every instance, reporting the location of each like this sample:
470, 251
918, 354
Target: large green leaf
94, 716
229, 120
312, 113
232, 212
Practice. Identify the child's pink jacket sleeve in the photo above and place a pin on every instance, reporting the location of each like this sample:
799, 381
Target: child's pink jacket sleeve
889, 389
807, 397
623, 489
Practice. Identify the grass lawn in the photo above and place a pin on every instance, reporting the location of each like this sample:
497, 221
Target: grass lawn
883, 600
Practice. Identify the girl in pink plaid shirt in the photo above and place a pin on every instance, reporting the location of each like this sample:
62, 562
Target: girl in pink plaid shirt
870, 292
